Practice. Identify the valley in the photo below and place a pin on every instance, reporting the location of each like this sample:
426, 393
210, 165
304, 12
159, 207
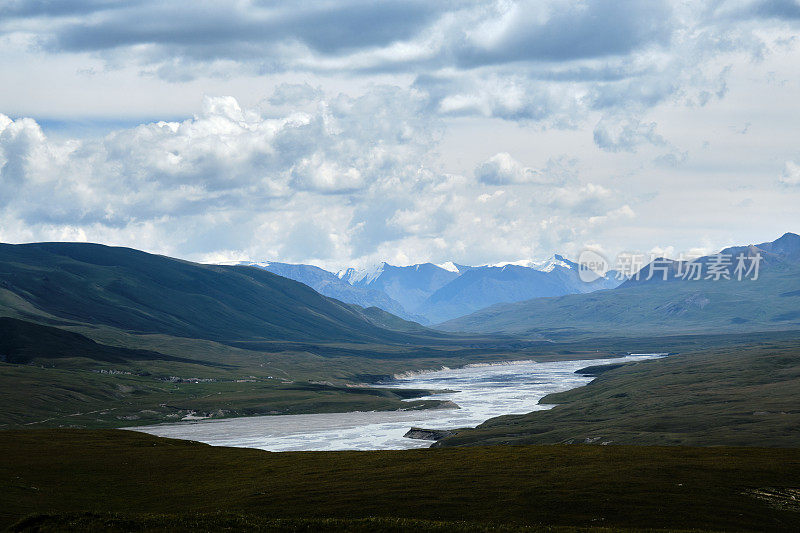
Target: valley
93, 337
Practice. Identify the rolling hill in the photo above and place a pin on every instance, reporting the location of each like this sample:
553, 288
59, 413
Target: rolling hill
133, 291
24, 342
655, 306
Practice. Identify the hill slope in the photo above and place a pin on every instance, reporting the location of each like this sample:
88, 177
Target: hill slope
23, 342
139, 292
772, 302
738, 395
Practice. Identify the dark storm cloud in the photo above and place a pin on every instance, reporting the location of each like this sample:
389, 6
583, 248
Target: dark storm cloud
523, 60
782, 9
583, 30
57, 8
211, 29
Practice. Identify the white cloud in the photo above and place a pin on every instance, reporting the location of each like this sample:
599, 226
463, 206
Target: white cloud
601, 102
352, 180
502, 169
790, 174
625, 134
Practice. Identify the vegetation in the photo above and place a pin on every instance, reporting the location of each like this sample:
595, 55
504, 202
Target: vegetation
147, 482
116, 522
737, 395
69, 283
770, 303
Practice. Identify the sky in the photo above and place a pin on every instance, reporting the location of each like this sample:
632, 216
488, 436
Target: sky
349, 132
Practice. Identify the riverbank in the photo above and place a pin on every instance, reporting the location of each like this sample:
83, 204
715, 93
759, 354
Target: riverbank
744, 395
475, 394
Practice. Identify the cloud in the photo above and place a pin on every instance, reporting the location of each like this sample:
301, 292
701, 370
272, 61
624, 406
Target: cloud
212, 30
625, 134
339, 162
547, 61
351, 180
295, 94
770, 9
565, 31
502, 169
225, 157
589, 199
790, 175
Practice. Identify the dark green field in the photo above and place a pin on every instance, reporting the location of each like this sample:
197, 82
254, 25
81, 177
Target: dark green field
131, 474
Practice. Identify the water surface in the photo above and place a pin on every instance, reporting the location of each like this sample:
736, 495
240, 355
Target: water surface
483, 392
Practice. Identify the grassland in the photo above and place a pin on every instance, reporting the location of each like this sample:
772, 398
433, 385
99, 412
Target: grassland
744, 395
154, 483
46, 397
69, 383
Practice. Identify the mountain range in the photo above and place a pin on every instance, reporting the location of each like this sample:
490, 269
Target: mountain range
669, 302
83, 285
428, 293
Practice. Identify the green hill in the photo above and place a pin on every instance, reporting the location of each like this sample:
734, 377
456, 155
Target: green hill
76, 283
771, 302
23, 342
733, 396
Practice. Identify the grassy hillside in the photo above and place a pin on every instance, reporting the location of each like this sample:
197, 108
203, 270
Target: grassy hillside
67, 283
23, 342
182, 485
770, 303
46, 397
737, 395
52, 377
69, 380
656, 302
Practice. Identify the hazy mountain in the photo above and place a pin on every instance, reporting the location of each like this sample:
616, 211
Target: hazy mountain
429, 293
653, 306
480, 287
410, 286
329, 284
776, 254
62, 283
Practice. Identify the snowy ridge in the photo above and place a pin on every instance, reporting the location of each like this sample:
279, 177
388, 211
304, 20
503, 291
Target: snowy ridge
449, 266
431, 293
542, 266
362, 275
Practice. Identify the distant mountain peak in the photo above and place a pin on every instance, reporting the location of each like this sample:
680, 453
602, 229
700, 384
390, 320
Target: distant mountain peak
788, 242
542, 266
449, 266
361, 275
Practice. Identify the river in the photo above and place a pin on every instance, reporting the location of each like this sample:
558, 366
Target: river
481, 392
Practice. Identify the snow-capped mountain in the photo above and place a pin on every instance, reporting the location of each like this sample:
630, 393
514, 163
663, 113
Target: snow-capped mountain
410, 285
480, 287
331, 285
430, 293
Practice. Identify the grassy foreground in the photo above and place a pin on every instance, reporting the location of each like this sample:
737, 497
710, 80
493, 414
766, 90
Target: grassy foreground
152, 483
